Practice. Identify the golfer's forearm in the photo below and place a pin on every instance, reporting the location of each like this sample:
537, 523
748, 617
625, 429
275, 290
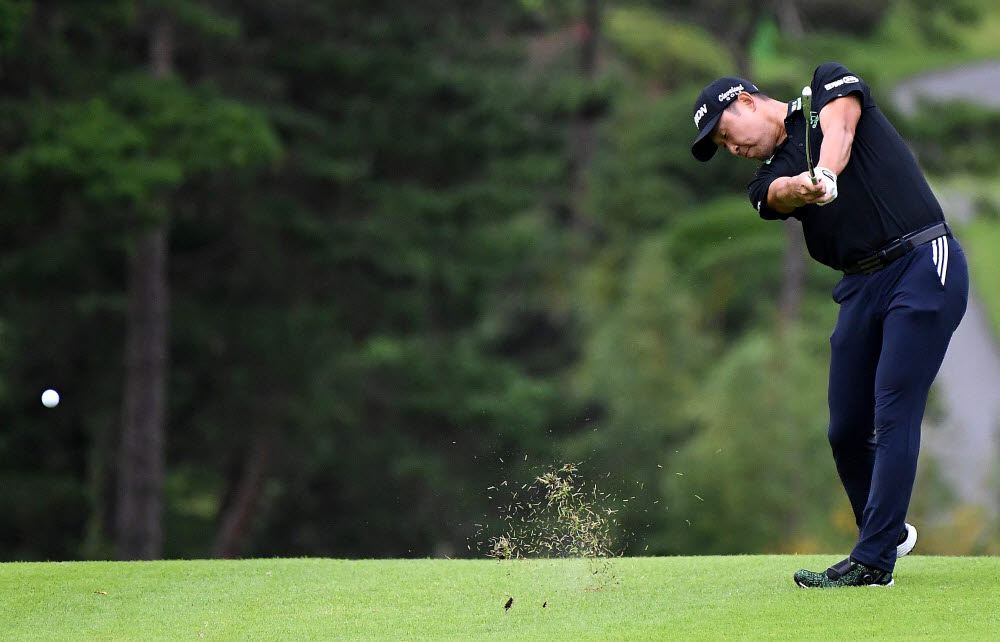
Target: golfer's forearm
779, 196
838, 120
836, 148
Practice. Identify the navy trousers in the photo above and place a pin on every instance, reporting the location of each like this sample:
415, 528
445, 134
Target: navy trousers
892, 332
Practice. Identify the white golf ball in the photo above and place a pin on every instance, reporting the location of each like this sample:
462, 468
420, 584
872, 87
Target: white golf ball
50, 398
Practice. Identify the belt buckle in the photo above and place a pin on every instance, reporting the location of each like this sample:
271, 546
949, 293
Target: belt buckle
873, 263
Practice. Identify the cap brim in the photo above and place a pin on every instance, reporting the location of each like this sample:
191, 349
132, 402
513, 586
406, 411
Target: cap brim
704, 148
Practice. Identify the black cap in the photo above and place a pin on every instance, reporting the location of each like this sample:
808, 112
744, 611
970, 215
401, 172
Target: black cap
711, 103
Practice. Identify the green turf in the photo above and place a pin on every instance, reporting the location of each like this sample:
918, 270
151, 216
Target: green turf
636, 598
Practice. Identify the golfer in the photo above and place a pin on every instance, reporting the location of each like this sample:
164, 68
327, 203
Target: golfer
872, 216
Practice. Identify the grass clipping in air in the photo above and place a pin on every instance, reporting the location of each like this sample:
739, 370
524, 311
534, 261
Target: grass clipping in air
556, 516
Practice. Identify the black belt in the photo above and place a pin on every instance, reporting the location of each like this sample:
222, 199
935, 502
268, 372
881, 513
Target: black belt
897, 249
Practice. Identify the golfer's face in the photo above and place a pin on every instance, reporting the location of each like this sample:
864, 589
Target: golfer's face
741, 132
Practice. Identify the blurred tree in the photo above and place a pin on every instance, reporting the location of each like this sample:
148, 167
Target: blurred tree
425, 275
98, 149
13, 14
666, 52
735, 22
141, 455
938, 22
584, 124
641, 362
936, 127
772, 439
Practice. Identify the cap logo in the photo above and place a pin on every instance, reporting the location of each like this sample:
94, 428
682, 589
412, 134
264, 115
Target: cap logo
729, 93
698, 115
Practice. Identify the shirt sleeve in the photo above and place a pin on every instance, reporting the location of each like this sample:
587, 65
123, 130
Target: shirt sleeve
757, 190
832, 80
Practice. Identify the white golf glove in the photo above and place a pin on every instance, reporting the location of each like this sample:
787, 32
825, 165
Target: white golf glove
829, 180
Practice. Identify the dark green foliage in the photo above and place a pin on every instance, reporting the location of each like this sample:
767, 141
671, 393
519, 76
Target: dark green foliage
666, 50
938, 21
412, 192
13, 14
954, 138
760, 424
645, 176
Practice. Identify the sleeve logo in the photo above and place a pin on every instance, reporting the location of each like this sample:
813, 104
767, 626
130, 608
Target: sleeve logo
846, 80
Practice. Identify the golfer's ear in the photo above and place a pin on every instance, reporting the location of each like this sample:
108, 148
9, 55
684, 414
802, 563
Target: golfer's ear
747, 100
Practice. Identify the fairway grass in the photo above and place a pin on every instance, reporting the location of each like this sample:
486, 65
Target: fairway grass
744, 597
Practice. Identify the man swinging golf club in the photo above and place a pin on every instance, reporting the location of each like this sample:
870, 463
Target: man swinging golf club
867, 211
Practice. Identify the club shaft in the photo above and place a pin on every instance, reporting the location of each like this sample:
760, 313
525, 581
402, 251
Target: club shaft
807, 112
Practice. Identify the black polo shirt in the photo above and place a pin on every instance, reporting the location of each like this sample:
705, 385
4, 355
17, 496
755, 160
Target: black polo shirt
882, 194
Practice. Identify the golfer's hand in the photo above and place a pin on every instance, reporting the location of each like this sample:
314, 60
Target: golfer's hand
790, 192
800, 191
829, 180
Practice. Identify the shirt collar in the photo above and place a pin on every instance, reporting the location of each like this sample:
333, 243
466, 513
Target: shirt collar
793, 106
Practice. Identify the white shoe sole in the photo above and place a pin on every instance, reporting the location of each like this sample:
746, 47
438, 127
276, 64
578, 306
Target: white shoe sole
909, 543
